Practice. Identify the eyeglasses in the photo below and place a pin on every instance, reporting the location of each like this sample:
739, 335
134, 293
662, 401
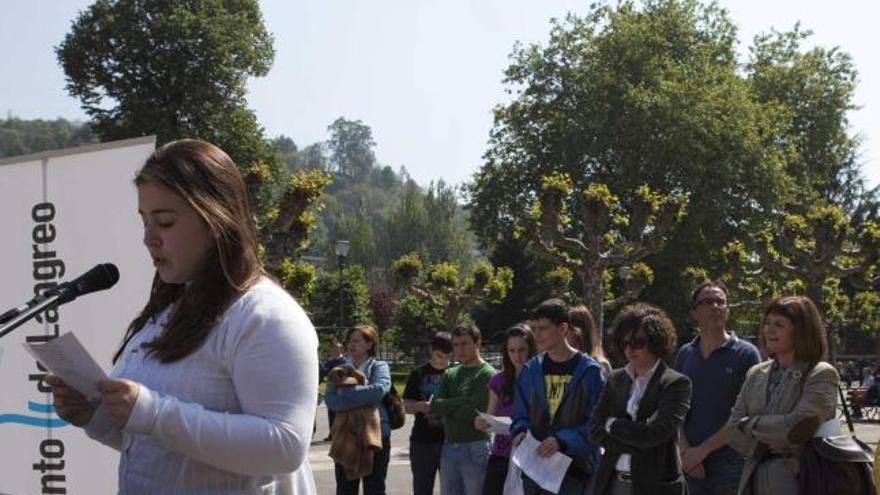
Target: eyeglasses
713, 301
635, 343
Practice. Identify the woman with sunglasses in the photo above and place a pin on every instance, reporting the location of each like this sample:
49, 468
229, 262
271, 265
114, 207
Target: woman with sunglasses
641, 408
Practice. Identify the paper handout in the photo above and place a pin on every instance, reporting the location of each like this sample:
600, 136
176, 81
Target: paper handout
497, 424
547, 472
66, 358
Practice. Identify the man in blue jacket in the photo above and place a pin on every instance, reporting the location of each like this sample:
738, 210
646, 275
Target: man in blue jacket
555, 396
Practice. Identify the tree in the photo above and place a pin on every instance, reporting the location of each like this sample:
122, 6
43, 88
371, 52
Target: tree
351, 149
605, 233
297, 277
341, 300
415, 320
528, 290
816, 254
815, 90
285, 229
383, 306
443, 287
652, 93
172, 69
21, 137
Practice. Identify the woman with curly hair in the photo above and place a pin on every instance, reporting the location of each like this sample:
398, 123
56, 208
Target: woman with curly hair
641, 409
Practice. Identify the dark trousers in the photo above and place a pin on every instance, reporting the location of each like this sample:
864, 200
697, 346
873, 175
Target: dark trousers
424, 462
570, 486
496, 474
374, 484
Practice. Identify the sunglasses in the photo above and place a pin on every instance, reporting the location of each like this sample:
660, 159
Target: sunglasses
714, 301
635, 343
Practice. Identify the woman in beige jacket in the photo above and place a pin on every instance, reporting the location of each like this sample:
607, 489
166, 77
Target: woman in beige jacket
783, 399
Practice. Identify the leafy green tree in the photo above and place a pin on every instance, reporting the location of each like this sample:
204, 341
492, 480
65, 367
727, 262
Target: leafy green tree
351, 149
814, 89
173, 69
816, 254
443, 286
340, 300
21, 137
285, 229
603, 233
297, 277
529, 288
652, 93
430, 222
406, 221
357, 227
415, 320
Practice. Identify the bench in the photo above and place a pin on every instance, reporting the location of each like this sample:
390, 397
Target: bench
856, 398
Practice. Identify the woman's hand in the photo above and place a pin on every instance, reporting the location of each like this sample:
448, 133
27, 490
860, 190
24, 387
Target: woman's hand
70, 405
119, 397
481, 424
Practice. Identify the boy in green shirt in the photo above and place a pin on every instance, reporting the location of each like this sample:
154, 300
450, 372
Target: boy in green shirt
461, 392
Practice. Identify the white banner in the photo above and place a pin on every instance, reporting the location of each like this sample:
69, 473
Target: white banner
61, 213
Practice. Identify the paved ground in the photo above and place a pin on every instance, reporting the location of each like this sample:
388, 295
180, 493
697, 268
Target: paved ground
399, 481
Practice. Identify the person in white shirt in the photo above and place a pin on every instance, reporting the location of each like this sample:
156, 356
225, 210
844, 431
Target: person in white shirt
215, 386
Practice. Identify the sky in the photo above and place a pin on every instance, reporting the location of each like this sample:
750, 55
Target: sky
423, 74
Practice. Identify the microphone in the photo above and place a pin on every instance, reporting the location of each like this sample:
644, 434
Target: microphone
101, 277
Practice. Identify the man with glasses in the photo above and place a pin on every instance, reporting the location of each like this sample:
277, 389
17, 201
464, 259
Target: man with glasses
716, 361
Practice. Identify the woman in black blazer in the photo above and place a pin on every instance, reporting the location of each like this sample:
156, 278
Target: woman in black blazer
641, 409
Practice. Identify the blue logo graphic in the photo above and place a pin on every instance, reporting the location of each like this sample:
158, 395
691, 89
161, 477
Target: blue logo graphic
40, 422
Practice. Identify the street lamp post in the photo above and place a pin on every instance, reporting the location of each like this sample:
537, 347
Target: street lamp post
341, 248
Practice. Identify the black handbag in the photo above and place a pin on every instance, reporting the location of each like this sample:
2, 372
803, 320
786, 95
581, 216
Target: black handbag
394, 405
836, 465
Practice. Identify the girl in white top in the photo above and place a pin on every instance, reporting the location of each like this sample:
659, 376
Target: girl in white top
214, 390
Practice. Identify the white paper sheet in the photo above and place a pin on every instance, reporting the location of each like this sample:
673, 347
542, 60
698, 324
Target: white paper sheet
497, 424
67, 358
547, 472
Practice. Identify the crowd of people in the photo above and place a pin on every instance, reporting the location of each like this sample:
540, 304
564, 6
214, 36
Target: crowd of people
708, 417
214, 387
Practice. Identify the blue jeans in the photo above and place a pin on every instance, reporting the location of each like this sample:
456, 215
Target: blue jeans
723, 471
462, 467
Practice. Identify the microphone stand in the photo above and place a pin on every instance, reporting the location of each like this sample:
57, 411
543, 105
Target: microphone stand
29, 313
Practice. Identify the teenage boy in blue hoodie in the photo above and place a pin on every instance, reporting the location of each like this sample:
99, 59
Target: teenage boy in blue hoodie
555, 396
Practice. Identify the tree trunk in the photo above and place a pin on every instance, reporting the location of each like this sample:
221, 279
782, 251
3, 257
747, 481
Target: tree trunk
594, 295
814, 291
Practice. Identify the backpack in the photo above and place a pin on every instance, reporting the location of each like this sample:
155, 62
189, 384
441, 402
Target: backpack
836, 465
394, 406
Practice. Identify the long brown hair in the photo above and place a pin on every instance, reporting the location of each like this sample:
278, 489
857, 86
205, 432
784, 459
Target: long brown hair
209, 181
522, 331
580, 317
